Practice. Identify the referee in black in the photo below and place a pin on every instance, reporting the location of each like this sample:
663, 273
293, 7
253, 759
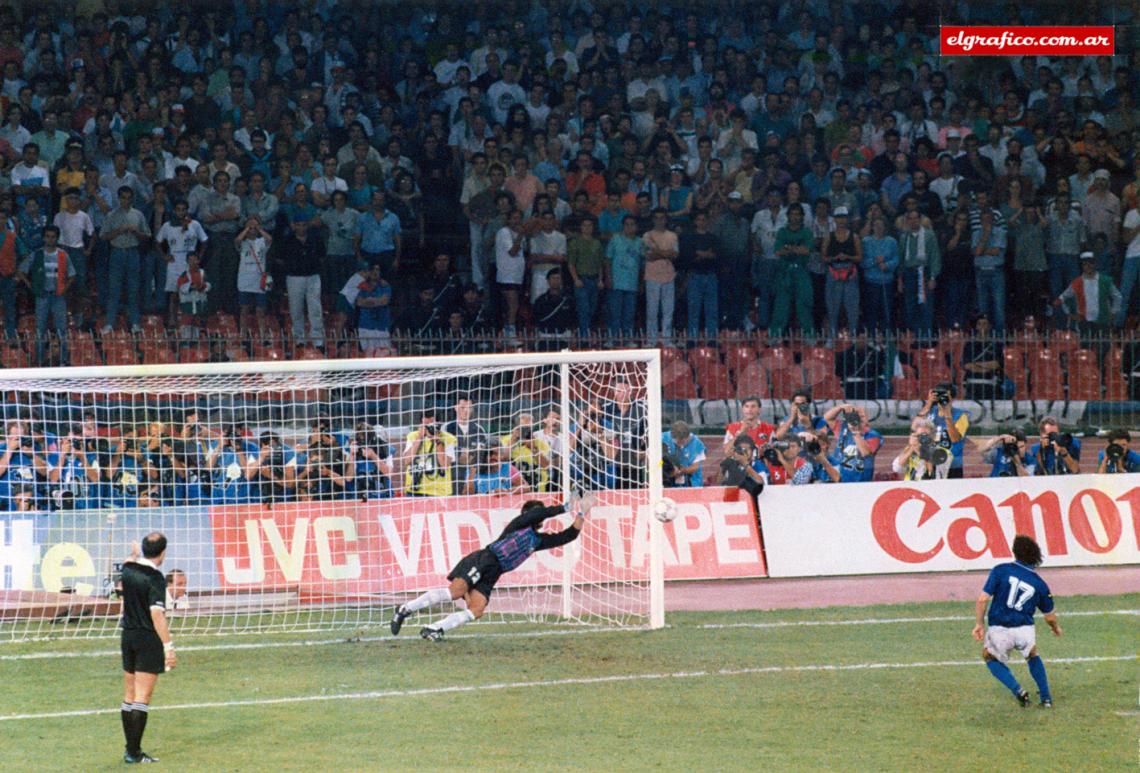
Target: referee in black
147, 647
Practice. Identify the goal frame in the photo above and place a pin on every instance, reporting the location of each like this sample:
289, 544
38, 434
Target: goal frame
26, 378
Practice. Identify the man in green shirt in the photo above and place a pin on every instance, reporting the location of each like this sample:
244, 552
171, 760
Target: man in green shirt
586, 261
793, 285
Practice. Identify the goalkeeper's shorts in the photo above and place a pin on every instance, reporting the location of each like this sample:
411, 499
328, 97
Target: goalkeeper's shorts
481, 570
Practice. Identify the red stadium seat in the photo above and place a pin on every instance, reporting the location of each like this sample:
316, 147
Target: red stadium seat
777, 357
906, 389
1064, 342
13, 356
1046, 378
752, 381
932, 368
703, 357
1084, 375
786, 380
714, 382
194, 354
121, 355
739, 356
677, 382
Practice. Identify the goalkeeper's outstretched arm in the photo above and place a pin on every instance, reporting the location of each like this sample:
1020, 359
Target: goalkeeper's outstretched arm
580, 506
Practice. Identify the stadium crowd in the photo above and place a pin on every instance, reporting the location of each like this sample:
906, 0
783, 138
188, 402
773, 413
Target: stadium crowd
557, 172
443, 169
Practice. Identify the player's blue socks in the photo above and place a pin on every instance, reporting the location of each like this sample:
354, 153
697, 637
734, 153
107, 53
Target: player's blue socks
1002, 673
1037, 671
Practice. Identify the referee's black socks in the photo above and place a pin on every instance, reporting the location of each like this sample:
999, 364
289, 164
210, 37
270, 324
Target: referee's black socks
134, 723
125, 712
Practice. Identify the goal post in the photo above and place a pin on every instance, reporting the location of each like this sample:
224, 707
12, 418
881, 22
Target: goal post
318, 494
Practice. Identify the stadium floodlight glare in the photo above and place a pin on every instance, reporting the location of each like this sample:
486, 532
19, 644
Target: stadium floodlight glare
268, 480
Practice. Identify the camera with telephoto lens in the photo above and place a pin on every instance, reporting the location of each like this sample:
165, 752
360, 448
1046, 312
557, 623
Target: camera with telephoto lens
853, 419
1010, 449
813, 447
942, 396
771, 456
1063, 439
526, 432
1114, 452
929, 451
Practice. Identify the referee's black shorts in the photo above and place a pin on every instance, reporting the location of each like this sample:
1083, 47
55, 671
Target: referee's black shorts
142, 651
480, 569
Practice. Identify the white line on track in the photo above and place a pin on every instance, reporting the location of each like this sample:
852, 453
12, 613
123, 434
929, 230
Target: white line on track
575, 681
56, 655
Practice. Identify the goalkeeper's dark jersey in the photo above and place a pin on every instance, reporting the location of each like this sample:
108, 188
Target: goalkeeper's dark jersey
521, 537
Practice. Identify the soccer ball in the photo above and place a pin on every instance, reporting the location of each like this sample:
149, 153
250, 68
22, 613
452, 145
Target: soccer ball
665, 510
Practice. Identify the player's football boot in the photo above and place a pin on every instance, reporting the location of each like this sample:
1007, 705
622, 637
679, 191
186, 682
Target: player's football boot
398, 619
1023, 698
142, 759
1046, 703
431, 634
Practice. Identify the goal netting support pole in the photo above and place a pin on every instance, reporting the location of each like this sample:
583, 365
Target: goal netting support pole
317, 495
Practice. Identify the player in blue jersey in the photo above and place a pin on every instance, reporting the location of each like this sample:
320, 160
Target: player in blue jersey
474, 577
1017, 592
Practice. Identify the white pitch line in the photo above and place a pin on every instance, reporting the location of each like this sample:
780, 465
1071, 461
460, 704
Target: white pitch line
894, 620
573, 681
1128, 713
57, 655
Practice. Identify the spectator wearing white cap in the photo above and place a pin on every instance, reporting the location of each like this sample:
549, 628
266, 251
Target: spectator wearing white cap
1101, 210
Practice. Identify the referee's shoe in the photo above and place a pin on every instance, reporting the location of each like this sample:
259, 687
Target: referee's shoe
142, 758
398, 619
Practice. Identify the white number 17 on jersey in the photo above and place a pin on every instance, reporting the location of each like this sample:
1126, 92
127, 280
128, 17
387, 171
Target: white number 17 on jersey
1019, 593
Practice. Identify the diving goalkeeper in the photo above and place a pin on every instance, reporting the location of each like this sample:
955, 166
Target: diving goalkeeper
474, 577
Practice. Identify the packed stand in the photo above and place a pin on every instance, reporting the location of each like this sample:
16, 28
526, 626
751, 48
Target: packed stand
802, 198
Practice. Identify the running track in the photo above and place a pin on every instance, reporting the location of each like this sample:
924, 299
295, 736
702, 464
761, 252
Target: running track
865, 590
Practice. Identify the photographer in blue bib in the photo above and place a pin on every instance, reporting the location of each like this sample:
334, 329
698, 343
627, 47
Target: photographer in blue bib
1009, 456
950, 424
1058, 453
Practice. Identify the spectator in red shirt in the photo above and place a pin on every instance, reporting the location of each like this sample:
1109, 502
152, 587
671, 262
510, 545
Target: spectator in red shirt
749, 424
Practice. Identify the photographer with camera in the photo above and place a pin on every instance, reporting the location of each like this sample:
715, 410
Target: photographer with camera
1009, 456
800, 418
495, 474
529, 454
1058, 453
74, 474
918, 460
230, 462
744, 468
1117, 457
373, 458
855, 443
470, 440
817, 466
429, 454
593, 450
22, 466
950, 425
682, 455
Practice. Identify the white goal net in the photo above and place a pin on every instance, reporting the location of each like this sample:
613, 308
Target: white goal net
317, 495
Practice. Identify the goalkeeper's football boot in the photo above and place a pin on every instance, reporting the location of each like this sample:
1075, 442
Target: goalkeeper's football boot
1023, 698
398, 619
431, 634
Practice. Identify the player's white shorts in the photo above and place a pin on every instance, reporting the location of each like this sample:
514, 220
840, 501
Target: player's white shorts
999, 641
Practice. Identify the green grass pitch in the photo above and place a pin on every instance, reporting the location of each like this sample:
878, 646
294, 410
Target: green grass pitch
713, 692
